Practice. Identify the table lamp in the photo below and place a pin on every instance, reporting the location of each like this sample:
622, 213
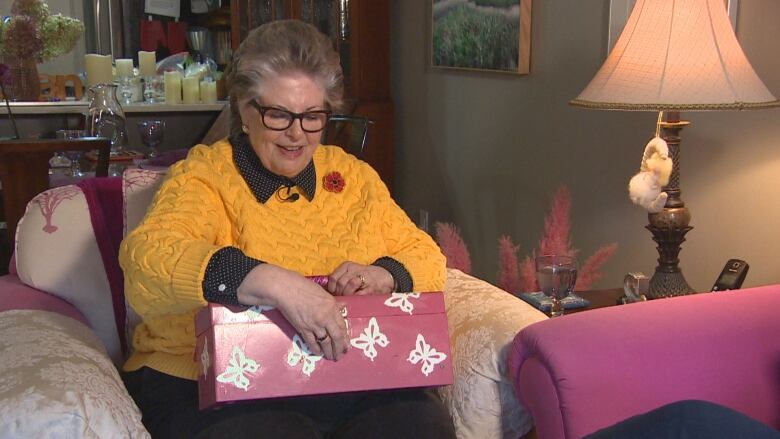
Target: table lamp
672, 56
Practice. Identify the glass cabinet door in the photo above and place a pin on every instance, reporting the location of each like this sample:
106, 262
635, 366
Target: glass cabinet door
248, 14
366, 65
331, 17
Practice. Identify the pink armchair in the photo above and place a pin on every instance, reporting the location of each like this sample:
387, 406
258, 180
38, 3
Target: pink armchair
582, 372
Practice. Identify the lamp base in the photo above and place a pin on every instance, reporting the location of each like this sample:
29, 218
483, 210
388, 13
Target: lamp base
669, 228
668, 285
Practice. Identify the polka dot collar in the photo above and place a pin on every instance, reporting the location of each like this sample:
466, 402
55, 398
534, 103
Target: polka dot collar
263, 182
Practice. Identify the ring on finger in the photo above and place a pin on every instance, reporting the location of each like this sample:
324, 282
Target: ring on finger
362, 281
321, 339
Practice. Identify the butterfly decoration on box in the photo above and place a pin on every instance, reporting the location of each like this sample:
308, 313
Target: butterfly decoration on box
425, 353
369, 339
401, 301
300, 353
238, 366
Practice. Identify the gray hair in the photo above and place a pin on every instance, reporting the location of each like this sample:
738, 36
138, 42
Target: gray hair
281, 47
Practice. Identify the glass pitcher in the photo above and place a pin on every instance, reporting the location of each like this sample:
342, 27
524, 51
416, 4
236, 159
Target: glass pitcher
105, 117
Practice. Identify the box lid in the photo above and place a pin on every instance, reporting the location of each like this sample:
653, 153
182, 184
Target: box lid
355, 306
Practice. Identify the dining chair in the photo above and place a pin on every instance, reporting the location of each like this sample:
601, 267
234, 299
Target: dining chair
24, 173
348, 131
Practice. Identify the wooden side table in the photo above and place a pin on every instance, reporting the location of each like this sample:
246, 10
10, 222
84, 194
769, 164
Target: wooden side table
598, 299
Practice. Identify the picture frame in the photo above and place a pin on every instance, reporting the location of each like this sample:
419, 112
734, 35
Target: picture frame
619, 10
501, 43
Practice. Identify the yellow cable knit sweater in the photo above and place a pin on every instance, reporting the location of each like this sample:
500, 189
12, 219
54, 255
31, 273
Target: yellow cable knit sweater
205, 204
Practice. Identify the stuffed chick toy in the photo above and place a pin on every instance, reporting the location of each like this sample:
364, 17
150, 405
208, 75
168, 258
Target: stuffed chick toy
645, 188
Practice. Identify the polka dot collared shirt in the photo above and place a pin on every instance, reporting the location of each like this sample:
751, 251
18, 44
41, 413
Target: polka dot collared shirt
228, 267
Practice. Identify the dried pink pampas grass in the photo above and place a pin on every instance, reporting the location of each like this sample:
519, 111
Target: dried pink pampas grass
452, 245
557, 241
508, 267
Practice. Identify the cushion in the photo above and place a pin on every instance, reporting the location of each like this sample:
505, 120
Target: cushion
57, 227
56, 252
138, 189
16, 295
483, 321
56, 381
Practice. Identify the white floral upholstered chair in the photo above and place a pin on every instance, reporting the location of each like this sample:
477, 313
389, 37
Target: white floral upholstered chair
57, 362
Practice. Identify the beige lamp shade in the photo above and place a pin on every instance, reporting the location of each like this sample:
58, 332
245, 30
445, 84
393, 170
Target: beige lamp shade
676, 55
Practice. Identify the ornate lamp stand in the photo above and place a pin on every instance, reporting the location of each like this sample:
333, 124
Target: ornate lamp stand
670, 225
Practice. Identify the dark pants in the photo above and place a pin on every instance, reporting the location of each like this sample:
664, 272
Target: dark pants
170, 410
688, 419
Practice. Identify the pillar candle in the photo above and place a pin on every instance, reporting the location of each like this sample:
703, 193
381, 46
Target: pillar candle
98, 69
190, 90
124, 67
172, 87
208, 92
147, 63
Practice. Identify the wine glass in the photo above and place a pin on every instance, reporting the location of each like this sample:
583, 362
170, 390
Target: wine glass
151, 132
556, 275
73, 156
125, 89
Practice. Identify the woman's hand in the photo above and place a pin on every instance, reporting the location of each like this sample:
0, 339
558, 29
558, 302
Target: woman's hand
313, 312
351, 278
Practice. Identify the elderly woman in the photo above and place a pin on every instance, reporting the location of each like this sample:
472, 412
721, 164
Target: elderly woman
244, 221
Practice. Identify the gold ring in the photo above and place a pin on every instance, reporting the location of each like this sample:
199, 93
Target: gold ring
362, 281
321, 339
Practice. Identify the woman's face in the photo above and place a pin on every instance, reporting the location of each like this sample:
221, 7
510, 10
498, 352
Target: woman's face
288, 151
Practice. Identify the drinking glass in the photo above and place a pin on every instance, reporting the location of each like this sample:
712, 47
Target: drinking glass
154, 89
556, 275
73, 156
151, 132
125, 88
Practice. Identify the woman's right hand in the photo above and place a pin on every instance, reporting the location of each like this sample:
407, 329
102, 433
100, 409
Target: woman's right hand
311, 310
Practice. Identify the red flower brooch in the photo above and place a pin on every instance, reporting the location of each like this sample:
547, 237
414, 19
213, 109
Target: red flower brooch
333, 182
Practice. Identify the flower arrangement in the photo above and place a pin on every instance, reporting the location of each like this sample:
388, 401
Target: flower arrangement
453, 247
555, 241
518, 276
33, 32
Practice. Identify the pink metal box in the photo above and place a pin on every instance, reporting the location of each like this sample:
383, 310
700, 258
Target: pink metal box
398, 340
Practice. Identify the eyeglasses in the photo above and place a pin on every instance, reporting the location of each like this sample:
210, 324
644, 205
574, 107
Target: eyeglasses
279, 120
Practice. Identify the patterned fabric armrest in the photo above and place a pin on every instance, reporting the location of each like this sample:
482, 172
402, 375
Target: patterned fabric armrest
57, 381
483, 321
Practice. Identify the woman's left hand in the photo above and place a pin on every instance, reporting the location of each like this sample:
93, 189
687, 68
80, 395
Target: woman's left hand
351, 278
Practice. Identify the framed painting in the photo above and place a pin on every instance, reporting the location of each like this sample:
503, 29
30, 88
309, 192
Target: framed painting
483, 35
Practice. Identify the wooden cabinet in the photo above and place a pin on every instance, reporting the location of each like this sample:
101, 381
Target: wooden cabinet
360, 31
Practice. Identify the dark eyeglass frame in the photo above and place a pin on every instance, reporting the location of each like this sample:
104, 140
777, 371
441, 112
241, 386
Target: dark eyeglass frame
293, 116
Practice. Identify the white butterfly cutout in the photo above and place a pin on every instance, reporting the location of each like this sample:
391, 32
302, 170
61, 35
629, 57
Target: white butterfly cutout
205, 361
257, 309
250, 314
238, 366
425, 353
401, 300
300, 353
369, 338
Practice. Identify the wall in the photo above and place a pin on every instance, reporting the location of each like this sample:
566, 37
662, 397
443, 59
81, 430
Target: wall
486, 151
